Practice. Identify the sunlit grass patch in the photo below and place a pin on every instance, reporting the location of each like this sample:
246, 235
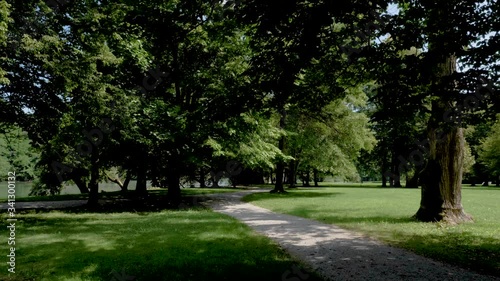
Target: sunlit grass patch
164, 245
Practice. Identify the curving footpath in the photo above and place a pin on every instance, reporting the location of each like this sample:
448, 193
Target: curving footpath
335, 253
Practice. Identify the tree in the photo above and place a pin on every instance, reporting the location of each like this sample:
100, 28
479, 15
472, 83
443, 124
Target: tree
489, 151
4, 24
17, 154
62, 86
331, 140
300, 41
441, 90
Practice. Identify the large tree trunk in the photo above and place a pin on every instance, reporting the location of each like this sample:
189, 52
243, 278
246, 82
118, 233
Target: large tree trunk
292, 180
473, 181
384, 169
315, 176
174, 188
94, 178
396, 171
442, 179
128, 177
202, 178
441, 198
118, 181
280, 167
486, 181
215, 180
81, 185
308, 178
141, 185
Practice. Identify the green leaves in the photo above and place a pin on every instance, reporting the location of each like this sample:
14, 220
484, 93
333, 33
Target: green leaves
489, 150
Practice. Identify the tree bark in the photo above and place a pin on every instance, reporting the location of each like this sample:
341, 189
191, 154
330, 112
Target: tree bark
384, 169
441, 198
293, 183
128, 177
81, 185
202, 178
117, 181
315, 176
280, 167
486, 181
308, 178
442, 180
215, 181
396, 171
174, 189
141, 185
94, 178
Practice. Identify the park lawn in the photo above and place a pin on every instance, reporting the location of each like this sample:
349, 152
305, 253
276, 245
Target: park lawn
385, 213
193, 244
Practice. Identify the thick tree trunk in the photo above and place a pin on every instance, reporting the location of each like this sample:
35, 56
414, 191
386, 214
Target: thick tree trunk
315, 176
94, 178
215, 181
128, 177
141, 185
486, 181
202, 178
441, 198
395, 171
384, 180
174, 188
81, 186
384, 169
280, 167
117, 181
308, 178
291, 176
442, 179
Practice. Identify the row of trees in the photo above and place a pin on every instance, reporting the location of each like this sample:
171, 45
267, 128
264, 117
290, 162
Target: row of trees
162, 90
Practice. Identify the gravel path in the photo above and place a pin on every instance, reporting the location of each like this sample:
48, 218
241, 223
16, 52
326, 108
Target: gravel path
335, 253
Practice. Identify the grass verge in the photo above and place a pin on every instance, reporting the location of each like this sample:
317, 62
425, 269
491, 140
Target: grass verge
194, 244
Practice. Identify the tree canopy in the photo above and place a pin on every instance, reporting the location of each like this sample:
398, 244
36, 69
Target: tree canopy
171, 90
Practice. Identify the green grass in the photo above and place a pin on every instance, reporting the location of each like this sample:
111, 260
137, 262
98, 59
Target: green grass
385, 213
194, 244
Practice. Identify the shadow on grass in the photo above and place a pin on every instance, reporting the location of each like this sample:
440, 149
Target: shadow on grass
156, 247
480, 188
297, 193
146, 204
373, 219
